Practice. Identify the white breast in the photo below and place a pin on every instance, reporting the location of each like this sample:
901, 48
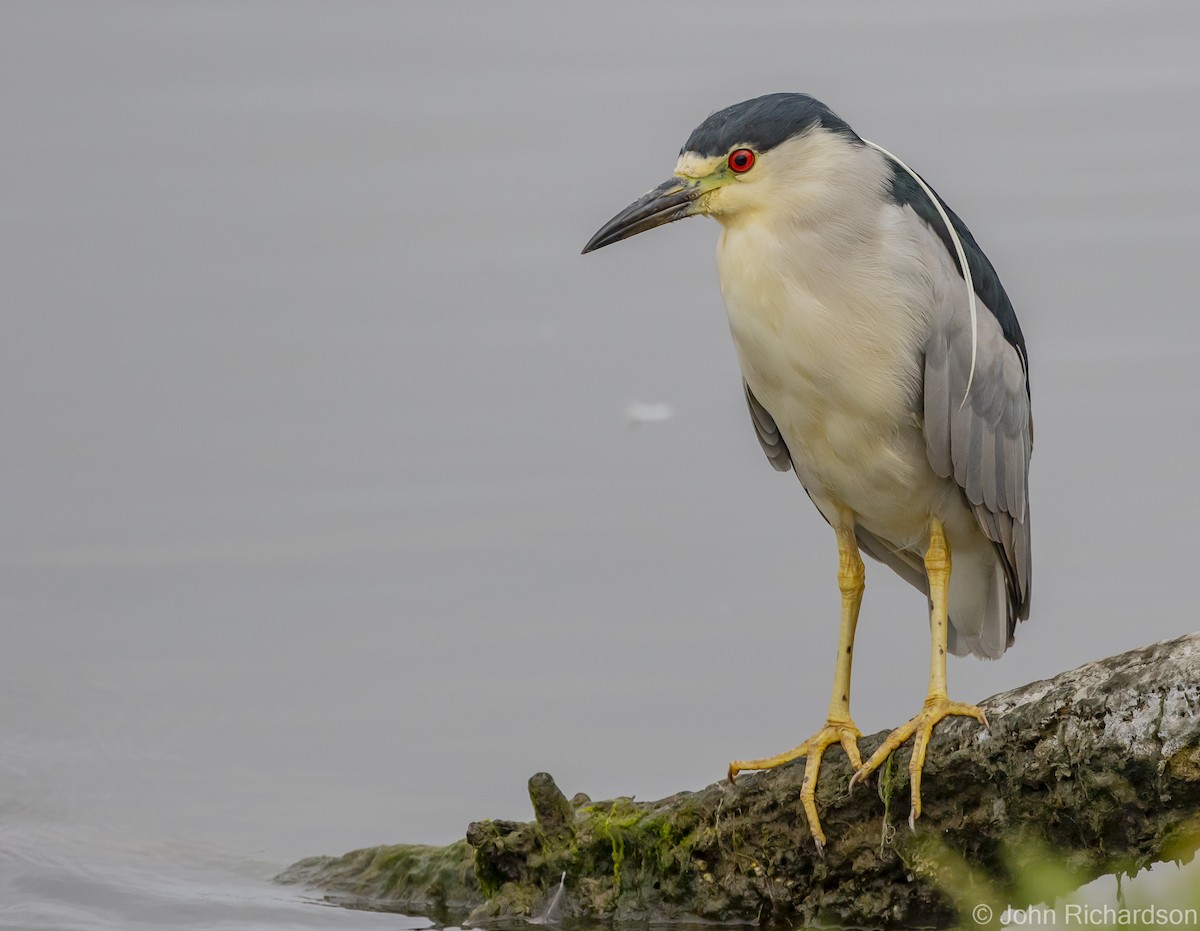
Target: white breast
828, 330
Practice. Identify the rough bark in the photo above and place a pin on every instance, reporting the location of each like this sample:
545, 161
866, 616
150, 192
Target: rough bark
1096, 770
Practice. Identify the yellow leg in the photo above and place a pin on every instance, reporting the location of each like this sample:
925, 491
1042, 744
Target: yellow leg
937, 702
839, 727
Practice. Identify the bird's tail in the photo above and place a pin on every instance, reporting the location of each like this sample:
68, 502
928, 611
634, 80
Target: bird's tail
981, 619
981, 613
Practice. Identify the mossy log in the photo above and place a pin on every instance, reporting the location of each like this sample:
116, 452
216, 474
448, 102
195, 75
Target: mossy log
1097, 769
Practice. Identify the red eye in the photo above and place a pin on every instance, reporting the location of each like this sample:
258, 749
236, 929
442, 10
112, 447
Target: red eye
741, 160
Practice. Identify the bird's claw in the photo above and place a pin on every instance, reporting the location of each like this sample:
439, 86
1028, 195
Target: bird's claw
839, 731
920, 728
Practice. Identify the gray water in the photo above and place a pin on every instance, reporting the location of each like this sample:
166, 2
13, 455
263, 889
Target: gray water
323, 522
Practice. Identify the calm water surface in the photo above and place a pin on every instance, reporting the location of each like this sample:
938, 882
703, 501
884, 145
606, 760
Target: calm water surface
322, 523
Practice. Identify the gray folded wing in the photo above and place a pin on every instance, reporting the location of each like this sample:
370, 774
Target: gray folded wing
981, 438
768, 433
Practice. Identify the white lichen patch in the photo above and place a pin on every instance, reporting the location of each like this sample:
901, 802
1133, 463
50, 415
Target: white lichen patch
1180, 709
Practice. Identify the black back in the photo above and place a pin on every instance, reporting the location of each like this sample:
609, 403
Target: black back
907, 192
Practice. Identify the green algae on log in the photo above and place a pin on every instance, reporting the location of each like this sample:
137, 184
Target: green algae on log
414, 878
1099, 765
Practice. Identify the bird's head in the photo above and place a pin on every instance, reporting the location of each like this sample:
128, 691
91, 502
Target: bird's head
775, 153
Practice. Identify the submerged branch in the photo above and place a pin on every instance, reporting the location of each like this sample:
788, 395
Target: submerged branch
1099, 765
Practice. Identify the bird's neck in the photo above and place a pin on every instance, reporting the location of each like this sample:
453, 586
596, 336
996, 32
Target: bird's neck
816, 275
824, 203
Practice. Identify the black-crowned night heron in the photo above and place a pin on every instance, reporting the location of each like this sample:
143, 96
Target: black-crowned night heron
893, 380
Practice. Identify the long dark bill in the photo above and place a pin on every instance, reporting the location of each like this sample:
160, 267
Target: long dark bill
670, 201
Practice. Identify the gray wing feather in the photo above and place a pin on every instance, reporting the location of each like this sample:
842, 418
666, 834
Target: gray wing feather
984, 442
768, 433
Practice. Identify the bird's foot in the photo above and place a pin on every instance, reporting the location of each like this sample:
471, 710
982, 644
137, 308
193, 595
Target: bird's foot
842, 732
921, 729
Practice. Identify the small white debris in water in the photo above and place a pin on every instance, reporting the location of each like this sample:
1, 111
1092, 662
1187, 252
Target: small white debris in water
553, 911
639, 412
